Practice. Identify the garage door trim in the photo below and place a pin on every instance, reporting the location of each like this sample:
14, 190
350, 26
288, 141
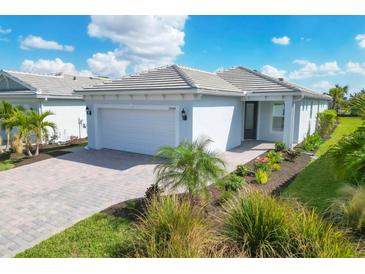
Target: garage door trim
99, 107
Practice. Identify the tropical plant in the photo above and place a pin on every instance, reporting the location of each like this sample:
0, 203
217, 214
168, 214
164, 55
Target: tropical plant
20, 120
312, 142
274, 157
153, 192
189, 165
173, 228
242, 170
261, 176
231, 182
268, 227
275, 167
40, 126
7, 111
262, 163
280, 146
326, 121
350, 155
338, 94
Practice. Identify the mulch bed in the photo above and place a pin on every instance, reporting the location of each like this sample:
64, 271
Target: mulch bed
45, 152
278, 180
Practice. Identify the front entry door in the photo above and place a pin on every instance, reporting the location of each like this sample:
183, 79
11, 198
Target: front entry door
250, 120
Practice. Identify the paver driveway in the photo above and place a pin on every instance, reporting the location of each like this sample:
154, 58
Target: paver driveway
41, 199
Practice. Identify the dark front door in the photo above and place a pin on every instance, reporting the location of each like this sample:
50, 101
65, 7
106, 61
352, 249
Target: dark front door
250, 120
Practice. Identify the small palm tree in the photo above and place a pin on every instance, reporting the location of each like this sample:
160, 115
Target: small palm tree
7, 111
20, 120
189, 165
338, 94
40, 126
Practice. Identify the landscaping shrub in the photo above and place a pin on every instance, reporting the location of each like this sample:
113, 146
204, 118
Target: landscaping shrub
275, 167
268, 227
280, 146
232, 182
256, 223
6, 165
274, 157
326, 121
349, 211
242, 170
173, 228
261, 176
312, 142
262, 163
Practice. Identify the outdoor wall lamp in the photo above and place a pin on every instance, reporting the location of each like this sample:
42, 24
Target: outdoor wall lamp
183, 115
88, 110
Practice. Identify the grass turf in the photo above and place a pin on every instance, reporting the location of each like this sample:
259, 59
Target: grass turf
346, 126
100, 235
6, 165
318, 185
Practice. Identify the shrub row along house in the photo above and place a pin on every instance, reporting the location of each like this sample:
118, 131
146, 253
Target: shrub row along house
141, 112
49, 93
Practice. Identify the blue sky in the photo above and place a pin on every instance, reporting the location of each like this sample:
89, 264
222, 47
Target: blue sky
314, 51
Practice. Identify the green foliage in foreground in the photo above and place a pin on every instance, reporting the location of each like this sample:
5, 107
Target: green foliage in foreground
98, 236
263, 226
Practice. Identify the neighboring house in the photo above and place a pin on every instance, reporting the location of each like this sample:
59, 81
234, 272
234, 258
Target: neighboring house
50, 92
163, 106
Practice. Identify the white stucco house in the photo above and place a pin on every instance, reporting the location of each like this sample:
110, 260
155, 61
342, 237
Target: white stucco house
50, 92
141, 112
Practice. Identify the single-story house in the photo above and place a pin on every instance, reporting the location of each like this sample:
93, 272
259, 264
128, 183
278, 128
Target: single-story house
50, 92
163, 106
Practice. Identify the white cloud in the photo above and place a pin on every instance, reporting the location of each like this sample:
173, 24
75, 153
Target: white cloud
322, 85
49, 66
143, 41
4, 31
285, 40
305, 39
273, 71
309, 69
37, 42
107, 64
360, 38
356, 68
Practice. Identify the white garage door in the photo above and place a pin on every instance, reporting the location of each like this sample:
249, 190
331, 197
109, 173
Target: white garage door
137, 130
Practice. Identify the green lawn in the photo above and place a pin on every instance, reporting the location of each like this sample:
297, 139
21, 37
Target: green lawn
318, 185
98, 236
7, 164
347, 126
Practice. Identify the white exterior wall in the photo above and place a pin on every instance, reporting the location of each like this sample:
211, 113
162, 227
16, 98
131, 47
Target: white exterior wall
220, 119
264, 125
96, 103
307, 123
66, 116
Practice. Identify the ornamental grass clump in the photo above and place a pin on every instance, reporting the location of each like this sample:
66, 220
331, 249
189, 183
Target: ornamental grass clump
173, 228
264, 226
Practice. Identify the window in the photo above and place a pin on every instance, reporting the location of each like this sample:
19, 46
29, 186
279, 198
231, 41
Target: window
278, 117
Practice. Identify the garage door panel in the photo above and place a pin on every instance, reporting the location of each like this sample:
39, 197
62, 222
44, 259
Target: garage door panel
136, 130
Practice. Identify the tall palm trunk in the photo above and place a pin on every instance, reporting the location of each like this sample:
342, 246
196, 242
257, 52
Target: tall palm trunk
37, 148
7, 148
28, 148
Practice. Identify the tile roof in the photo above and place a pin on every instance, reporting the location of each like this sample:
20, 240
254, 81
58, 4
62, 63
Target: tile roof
167, 77
63, 84
252, 81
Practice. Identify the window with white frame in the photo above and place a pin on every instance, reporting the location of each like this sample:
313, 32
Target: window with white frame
278, 117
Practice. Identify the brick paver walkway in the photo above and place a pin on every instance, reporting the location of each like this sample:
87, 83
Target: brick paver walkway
41, 199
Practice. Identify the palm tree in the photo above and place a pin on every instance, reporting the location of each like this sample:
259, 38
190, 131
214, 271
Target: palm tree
40, 126
20, 120
189, 165
6, 112
338, 95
